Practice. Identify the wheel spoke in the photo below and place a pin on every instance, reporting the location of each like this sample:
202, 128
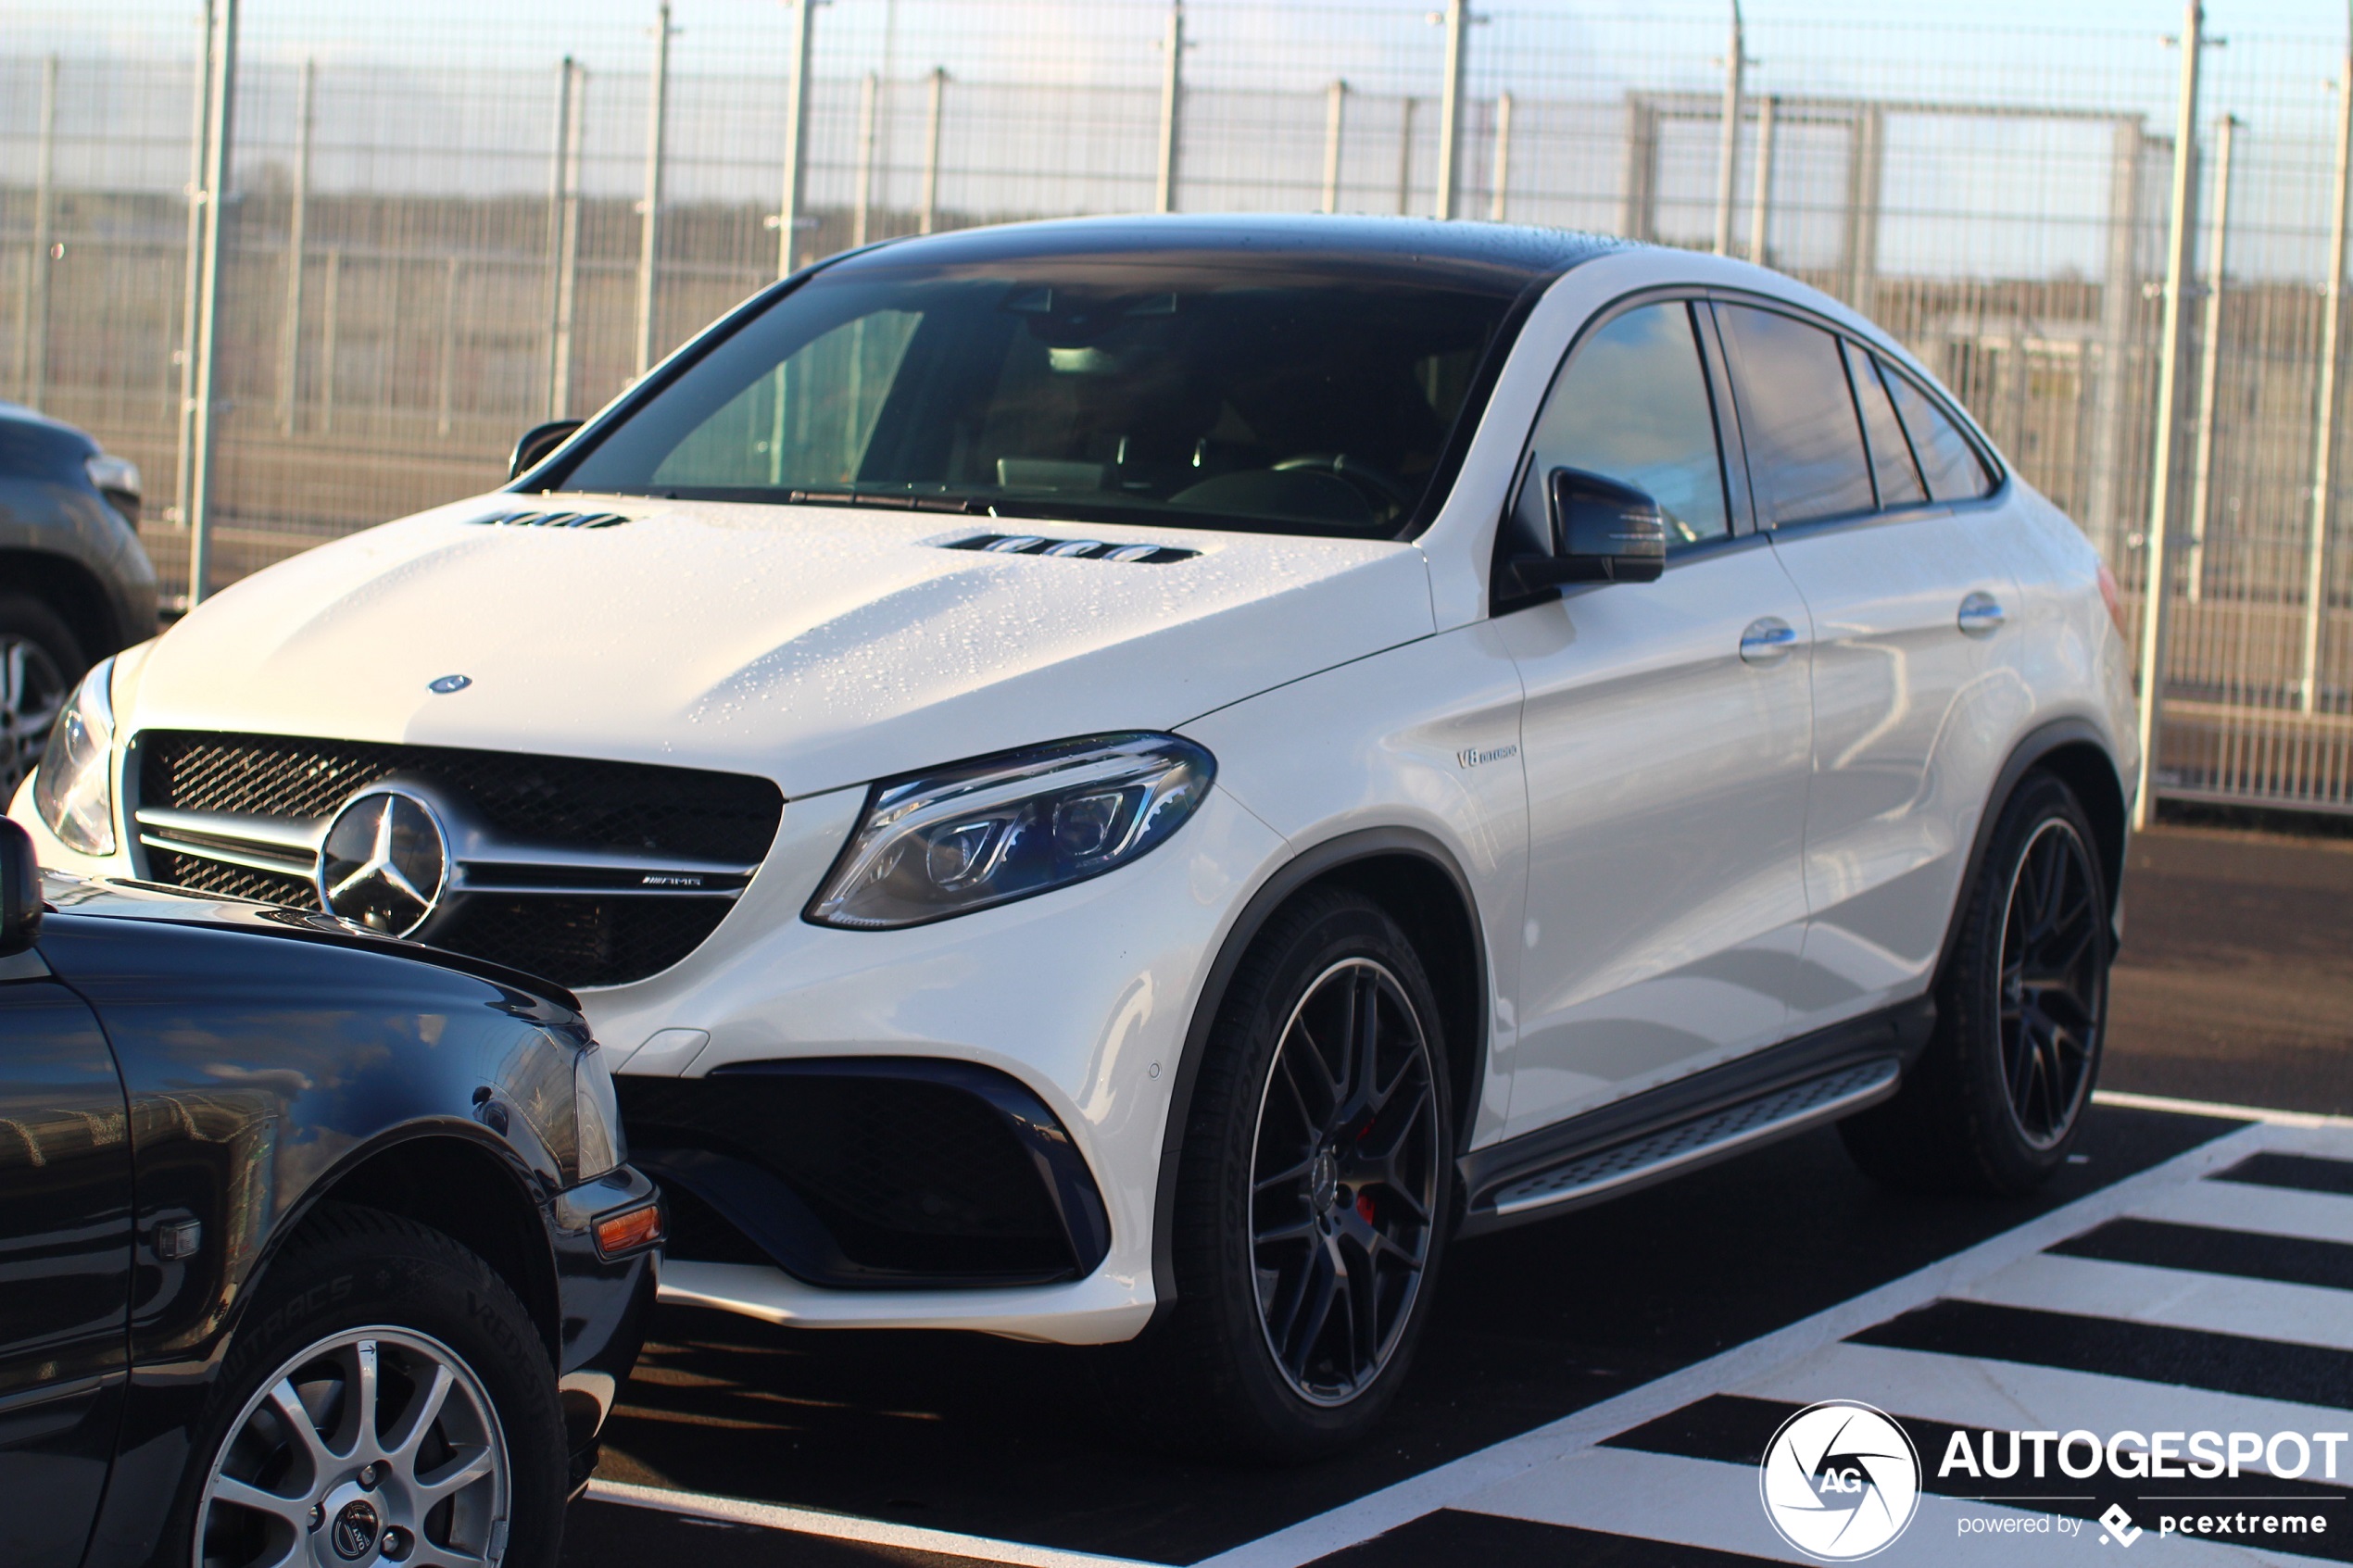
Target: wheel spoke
1313, 1309
300, 1428
243, 1494
1284, 1178
471, 1464
424, 1409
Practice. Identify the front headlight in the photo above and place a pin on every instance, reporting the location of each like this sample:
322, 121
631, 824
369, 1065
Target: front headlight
75, 789
597, 1116
1005, 827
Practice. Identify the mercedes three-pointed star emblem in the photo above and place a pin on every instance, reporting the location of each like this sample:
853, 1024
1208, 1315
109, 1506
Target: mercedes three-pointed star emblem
384, 862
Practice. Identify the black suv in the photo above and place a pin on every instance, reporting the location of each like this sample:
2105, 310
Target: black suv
314, 1245
75, 584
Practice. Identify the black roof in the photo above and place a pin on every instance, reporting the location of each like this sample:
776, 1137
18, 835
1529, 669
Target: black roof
1502, 255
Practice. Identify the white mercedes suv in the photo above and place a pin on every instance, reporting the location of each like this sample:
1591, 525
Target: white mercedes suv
1128, 779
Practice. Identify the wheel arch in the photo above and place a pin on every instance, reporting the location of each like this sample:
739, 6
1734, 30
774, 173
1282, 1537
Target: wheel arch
2076, 753
458, 1184
1413, 876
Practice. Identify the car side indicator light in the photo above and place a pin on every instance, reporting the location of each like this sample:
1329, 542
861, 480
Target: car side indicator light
632, 1230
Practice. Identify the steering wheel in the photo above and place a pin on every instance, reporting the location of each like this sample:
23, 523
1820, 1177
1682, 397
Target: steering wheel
1375, 486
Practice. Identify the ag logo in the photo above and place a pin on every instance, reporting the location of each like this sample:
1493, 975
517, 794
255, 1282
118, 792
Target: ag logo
1840, 1480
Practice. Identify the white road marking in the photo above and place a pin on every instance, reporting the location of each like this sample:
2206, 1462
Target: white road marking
2241, 1206
1573, 1434
2125, 1101
2257, 1309
848, 1528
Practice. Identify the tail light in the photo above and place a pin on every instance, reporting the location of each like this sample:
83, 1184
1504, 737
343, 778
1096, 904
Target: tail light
2114, 599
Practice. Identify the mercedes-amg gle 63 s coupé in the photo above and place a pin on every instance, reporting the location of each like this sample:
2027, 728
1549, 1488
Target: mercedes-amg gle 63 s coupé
1127, 780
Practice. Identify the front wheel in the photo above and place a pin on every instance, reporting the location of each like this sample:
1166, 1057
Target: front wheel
1312, 1189
388, 1402
1998, 1098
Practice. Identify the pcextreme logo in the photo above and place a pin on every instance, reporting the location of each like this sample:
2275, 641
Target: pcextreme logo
1840, 1481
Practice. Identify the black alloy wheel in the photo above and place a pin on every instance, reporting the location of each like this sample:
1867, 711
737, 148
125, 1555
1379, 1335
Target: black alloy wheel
1344, 1180
2053, 995
1313, 1188
1997, 1096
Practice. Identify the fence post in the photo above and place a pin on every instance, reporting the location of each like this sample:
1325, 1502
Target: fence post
2316, 564
869, 90
1862, 171
221, 100
1760, 196
1450, 109
448, 347
1406, 155
298, 234
2119, 303
796, 139
1642, 168
2210, 367
33, 346
563, 234
649, 231
1728, 148
1335, 116
184, 475
932, 114
2156, 584
1502, 182
329, 314
1172, 93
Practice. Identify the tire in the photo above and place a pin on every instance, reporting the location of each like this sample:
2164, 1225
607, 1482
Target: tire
1286, 1178
1998, 1098
354, 1279
40, 661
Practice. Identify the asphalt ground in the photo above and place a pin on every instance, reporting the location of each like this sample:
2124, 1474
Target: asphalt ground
2234, 987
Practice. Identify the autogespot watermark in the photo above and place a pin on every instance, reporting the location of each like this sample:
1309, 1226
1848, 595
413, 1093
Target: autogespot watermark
1841, 1480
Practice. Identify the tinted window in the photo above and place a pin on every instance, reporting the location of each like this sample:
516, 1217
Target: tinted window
1954, 471
1899, 480
1188, 392
1632, 406
1805, 456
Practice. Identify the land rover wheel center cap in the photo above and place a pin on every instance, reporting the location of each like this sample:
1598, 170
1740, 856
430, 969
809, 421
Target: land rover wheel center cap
384, 862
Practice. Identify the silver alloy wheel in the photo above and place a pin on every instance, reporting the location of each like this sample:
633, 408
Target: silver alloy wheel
1344, 1177
373, 1446
2053, 984
32, 693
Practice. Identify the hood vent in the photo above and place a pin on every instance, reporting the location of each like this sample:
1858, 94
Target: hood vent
1078, 549
553, 519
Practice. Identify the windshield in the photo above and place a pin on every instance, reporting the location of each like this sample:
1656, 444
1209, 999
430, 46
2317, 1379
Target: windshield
1188, 393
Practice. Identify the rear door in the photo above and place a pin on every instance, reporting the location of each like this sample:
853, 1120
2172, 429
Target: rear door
1908, 597
65, 1265
1664, 741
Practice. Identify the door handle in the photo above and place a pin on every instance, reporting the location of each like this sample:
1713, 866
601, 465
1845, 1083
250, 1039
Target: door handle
1766, 640
1980, 613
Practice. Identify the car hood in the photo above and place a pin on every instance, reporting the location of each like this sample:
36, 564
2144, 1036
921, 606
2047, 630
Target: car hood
817, 646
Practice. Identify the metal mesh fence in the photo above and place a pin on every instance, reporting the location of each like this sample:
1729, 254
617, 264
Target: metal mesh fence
436, 233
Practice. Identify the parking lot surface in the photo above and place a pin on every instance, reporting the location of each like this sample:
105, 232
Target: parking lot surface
1598, 1388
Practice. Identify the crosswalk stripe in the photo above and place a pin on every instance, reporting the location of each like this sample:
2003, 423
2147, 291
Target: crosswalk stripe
2215, 1249
2309, 1172
2318, 1216
2247, 1309
2009, 1396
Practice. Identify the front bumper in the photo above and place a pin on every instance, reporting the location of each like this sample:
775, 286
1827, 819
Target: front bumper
602, 1305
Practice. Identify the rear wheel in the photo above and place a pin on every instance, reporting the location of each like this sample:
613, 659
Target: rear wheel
388, 1401
40, 661
1313, 1188
1998, 1096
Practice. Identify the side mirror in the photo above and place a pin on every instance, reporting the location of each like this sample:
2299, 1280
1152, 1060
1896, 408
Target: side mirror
538, 442
1603, 532
20, 889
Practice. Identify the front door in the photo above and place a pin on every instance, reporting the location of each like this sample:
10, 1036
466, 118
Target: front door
65, 1266
1665, 734
1914, 700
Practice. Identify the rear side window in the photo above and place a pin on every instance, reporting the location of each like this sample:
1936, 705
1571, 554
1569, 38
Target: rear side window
1632, 406
1805, 454
1899, 480
1954, 470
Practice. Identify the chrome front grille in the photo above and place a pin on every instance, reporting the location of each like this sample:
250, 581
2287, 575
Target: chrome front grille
589, 872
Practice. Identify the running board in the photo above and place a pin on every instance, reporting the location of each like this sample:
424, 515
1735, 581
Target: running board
1637, 1161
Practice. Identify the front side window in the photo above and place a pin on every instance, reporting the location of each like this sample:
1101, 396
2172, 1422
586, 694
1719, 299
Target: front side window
1178, 392
1805, 456
1632, 406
